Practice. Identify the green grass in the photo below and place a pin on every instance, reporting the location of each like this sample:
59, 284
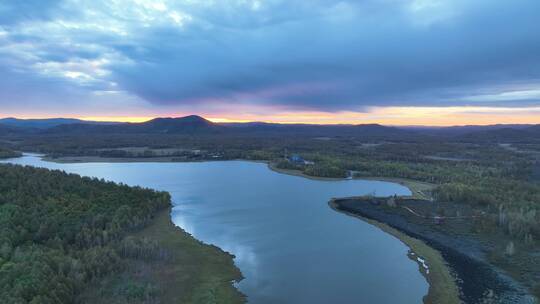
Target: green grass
191, 272
419, 190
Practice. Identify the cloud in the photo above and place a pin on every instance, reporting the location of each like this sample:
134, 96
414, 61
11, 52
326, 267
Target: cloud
12, 12
323, 55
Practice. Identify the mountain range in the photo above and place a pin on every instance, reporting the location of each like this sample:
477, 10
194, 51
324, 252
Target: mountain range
46, 122
196, 125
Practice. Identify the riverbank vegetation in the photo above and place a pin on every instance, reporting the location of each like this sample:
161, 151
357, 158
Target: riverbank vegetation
66, 239
498, 180
492, 180
7, 153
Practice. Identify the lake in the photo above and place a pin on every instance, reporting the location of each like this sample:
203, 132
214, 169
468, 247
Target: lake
289, 244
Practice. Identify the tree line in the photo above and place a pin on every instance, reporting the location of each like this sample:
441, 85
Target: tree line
59, 232
8, 153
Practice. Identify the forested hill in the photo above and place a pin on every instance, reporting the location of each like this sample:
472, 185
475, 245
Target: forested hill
59, 232
45, 123
196, 125
182, 125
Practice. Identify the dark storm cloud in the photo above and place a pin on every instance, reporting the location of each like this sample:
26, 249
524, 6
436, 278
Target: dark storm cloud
323, 55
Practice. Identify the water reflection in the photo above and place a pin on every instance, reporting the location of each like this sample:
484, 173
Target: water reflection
290, 246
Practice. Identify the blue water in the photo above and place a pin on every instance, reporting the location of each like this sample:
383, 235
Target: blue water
290, 246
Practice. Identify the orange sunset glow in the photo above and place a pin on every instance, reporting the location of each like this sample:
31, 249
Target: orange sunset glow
399, 116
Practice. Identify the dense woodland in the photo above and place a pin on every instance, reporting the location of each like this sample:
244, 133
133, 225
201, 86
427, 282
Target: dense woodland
489, 177
60, 232
8, 153
496, 172
500, 184
500, 179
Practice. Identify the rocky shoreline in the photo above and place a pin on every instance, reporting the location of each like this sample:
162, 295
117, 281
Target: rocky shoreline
478, 280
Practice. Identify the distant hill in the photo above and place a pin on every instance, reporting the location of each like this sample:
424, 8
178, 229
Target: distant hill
46, 122
196, 125
190, 124
520, 134
370, 131
461, 130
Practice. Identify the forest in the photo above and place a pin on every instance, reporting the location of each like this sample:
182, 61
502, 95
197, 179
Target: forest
501, 185
8, 153
500, 179
488, 177
71, 239
59, 232
497, 179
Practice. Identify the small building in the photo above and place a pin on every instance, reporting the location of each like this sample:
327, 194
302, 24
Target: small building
298, 160
295, 158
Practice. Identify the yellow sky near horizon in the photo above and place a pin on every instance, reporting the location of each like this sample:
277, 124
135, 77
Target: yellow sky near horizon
429, 116
398, 116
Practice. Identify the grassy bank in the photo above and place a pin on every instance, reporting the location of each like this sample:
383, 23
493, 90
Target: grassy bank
99, 159
419, 190
442, 286
188, 271
293, 172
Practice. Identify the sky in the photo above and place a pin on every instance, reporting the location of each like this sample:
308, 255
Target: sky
394, 62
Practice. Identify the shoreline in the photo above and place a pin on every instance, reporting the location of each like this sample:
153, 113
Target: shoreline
438, 293
418, 189
172, 159
299, 173
99, 159
477, 279
217, 263
190, 270
442, 287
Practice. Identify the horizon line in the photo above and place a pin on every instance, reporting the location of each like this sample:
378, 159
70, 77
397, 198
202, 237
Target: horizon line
142, 119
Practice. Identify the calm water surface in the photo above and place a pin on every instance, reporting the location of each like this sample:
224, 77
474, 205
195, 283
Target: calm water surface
290, 246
